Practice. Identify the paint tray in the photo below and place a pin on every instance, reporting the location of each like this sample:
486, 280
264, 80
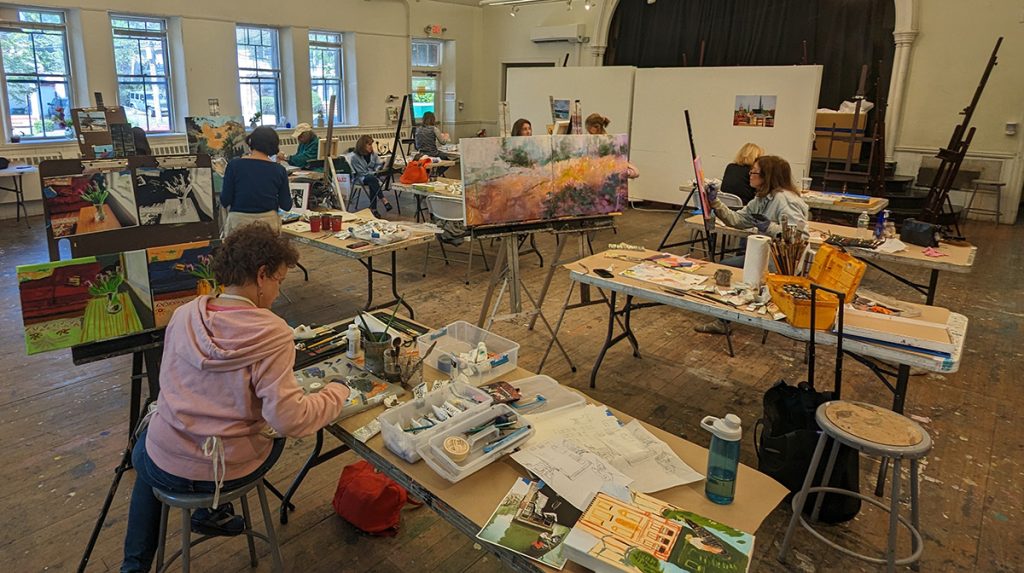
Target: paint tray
461, 337
433, 452
556, 397
798, 310
394, 421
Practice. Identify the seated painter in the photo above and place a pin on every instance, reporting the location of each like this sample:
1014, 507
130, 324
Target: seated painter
736, 179
226, 377
429, 137
597, 124
256, 186
308, 146
776, 196
365, 165
522, 128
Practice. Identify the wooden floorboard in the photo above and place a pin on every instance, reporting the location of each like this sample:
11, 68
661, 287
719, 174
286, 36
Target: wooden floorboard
64, 426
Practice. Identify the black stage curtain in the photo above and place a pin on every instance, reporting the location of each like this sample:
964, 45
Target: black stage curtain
841, 35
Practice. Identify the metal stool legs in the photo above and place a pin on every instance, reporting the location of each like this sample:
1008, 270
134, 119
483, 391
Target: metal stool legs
913, 525
270, 535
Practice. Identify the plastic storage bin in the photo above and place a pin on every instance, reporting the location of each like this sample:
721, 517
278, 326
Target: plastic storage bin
798, 310
433, 452
405, 444
461, 337
838, 270
556, 396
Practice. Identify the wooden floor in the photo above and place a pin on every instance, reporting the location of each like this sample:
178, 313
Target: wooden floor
64, 427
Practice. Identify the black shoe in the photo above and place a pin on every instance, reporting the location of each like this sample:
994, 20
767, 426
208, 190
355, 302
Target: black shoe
376, 214
220, 522
388, 206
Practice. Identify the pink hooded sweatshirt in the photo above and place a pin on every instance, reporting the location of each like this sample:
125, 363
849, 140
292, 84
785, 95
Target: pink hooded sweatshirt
228, 374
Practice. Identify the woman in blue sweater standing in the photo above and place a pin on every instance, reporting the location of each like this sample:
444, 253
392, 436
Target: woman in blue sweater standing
256, 186
365, 165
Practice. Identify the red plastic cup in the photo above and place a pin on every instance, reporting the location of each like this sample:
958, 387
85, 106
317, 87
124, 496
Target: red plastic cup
336, 224
325, 222
314, 224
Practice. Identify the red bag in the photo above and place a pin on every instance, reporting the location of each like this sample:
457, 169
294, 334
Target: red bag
415, 172
369, 500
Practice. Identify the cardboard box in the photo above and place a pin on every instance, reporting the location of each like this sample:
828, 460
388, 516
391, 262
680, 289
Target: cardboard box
843, 125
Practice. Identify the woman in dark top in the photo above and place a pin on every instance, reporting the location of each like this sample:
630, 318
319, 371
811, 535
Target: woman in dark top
141, 143
256, 186
736, 179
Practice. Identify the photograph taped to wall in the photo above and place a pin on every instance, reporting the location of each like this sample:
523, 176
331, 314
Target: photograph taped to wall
178, 274
169, 196
528, 179
559, 110
67, 303
754, 111
92, 203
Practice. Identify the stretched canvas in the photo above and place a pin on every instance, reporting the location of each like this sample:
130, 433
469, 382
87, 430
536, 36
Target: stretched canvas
169, 196
91, 203
89, 299
221, 137
528, 179
300, 197
178, 274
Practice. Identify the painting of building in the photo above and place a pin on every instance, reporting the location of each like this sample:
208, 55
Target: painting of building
754, 111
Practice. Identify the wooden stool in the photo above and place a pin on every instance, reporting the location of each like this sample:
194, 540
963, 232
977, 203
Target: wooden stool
874, 431
189, 501
991, 188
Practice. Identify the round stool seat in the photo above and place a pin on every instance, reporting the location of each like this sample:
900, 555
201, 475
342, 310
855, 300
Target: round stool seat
873, 429
198, 500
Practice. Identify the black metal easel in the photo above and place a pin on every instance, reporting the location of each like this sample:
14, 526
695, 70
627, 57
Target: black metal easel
685, 209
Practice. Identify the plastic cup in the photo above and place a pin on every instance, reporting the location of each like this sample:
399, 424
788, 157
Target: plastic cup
315, 224
335, 224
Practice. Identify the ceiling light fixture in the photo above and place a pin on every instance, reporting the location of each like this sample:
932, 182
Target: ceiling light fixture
513, 12
586, 5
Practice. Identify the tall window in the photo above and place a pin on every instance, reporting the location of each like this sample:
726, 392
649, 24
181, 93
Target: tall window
259, 71
143, 83
426, 77
325, 71
36, 74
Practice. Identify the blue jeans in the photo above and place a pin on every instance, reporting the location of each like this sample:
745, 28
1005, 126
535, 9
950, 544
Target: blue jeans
372, 189
143, 534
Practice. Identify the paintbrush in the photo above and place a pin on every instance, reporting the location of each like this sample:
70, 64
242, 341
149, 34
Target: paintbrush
419, 363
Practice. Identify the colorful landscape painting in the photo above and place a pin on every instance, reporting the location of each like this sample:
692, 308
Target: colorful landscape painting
221, 137
178, 274
89, 299
169, 196
754, 111
528, 179
92, 203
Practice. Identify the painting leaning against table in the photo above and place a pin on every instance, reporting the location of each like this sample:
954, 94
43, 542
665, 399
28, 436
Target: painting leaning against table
89, 299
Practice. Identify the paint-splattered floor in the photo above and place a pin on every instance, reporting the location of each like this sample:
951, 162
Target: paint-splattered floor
63, 426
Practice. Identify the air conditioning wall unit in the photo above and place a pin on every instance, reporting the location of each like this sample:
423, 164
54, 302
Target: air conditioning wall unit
575, 33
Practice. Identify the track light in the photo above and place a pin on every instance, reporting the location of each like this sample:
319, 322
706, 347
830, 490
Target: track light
586, 5
568, 6
515, 9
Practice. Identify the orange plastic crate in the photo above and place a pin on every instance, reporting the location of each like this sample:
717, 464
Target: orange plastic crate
798, 311
837, 270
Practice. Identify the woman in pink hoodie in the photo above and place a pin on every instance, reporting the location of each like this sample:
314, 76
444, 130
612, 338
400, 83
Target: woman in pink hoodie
226, 377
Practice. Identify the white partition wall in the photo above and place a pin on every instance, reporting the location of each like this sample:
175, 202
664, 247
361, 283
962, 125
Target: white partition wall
658, 142
604, 90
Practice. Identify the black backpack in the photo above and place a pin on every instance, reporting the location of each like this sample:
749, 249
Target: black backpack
785, 438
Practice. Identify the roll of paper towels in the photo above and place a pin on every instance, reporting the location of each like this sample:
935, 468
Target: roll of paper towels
755, 264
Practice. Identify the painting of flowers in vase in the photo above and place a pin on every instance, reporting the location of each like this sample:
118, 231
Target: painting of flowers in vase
91, 203
77, 301
170, 196
510, 180
178, 274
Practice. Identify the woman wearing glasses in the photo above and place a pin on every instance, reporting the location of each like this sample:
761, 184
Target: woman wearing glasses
776, 196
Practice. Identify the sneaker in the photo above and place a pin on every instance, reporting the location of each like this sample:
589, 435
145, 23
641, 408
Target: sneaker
713, 327
220, 522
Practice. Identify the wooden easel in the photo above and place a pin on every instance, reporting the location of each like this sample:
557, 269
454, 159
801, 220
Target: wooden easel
951, 156
847, 175
506, 274
396, 147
